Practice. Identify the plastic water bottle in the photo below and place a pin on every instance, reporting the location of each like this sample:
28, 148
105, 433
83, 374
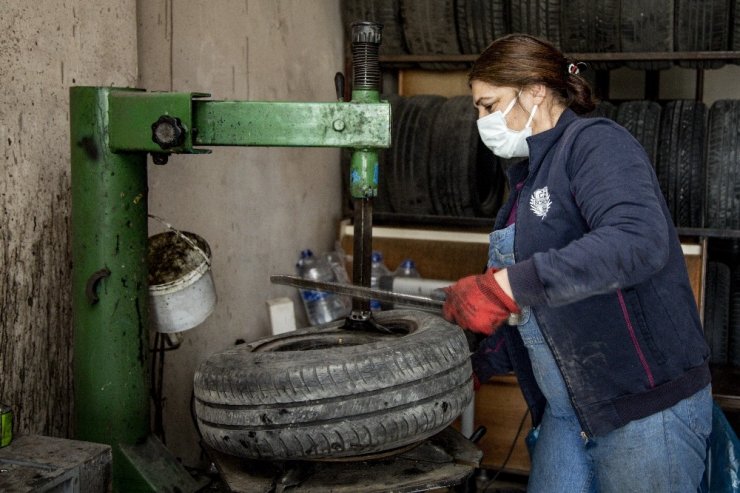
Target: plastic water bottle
337, 261
321, 307
407, 268
378, 269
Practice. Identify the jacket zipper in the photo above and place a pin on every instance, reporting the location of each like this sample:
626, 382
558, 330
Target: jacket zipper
585, 431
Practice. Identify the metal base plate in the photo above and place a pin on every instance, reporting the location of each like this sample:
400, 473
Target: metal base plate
443, 460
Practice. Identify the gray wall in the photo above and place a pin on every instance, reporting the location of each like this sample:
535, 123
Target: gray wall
45, 47
256, 207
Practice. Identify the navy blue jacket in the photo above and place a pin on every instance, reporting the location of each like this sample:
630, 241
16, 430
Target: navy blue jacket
600, 263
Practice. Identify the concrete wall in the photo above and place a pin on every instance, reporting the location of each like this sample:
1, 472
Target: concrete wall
256, 207
45, 47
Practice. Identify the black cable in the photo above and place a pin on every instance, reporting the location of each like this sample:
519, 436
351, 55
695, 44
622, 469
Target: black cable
159, 411
508, 455
153, 376
157, 385
153, 390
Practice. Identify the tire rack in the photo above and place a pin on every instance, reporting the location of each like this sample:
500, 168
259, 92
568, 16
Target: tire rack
392, 63
726, 390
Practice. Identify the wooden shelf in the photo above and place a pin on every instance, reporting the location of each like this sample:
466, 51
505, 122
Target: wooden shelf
709, 232
585, 57
411, 220
397, 219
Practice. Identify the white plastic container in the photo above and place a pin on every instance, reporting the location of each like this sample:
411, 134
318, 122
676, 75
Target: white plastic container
181, 290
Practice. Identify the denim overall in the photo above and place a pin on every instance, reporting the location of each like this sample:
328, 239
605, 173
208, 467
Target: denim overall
670, 444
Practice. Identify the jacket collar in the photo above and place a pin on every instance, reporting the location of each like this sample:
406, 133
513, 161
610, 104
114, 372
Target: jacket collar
539, 145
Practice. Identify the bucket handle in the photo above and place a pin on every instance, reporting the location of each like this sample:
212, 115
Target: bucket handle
184, 237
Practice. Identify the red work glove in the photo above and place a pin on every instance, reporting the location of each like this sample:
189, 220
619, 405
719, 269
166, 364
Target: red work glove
478, 303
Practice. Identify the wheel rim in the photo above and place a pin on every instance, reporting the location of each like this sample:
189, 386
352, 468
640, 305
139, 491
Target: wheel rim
338, 337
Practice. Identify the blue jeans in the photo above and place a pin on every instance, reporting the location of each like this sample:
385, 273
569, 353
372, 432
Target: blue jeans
664, 452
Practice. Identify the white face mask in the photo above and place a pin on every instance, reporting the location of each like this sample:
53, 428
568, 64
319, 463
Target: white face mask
503, 141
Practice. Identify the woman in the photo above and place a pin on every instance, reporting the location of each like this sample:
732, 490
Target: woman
608, 346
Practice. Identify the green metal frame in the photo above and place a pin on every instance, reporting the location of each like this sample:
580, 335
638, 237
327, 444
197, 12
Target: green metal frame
109, 279
111, 133
245, 123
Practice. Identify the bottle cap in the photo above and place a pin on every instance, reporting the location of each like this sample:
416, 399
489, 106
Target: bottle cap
408, 264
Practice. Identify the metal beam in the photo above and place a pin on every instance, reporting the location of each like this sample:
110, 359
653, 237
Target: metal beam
109, 280
291, 124
132, 115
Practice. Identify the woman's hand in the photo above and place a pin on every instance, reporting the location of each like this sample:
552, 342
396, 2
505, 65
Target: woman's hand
480, 303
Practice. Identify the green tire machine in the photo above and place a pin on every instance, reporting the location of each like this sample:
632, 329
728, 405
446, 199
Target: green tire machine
112, 131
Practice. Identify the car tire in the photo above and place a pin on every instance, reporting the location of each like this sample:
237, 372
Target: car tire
327, 391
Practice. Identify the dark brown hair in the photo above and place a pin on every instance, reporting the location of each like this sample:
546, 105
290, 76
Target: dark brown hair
518, 60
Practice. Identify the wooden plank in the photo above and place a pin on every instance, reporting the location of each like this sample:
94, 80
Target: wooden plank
446, 255
695, 254
448, 84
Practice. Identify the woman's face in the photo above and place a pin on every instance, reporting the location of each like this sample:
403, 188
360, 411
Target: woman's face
488, 98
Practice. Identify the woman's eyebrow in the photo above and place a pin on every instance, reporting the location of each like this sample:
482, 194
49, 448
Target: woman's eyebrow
481, 99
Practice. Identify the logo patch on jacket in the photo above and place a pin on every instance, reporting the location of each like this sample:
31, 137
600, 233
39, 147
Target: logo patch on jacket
540, 202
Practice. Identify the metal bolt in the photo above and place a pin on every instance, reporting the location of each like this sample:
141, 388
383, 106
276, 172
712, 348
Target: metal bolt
338, 125
160, 158
168, 132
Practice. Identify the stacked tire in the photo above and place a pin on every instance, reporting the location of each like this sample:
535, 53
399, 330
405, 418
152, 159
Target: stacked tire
717, 312
722, 166
696, 154
437, 165
722, 302
467, 179
453, 27
733, 356
680, 160
642, 119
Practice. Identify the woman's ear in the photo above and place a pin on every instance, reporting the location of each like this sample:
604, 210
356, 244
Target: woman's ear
538, 92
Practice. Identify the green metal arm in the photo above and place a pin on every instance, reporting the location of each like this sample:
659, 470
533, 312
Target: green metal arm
245, 123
